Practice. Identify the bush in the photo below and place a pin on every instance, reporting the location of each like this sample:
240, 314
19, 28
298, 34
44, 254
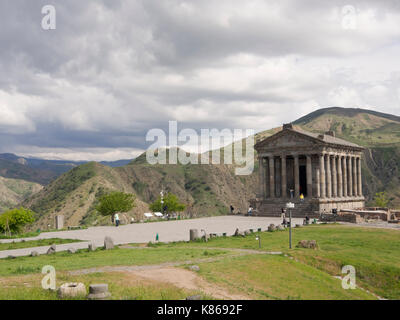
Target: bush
115, 202
13, 220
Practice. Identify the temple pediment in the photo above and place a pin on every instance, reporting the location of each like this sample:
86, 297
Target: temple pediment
288, 139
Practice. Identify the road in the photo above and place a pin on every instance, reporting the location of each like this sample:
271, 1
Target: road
168, 231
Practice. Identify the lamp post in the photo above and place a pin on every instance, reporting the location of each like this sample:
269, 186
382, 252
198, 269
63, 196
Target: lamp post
290, 206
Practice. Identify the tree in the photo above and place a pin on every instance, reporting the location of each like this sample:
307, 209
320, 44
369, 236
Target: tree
171, 201
381, 200
13, 220
114, 202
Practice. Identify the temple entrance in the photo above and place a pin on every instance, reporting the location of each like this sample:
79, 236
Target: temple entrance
303, 180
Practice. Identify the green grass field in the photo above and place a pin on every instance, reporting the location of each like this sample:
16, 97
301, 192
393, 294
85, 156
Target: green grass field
83, 259
34, 243
375, 253
295, 274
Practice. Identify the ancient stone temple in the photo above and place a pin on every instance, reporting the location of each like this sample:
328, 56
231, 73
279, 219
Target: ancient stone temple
323, 170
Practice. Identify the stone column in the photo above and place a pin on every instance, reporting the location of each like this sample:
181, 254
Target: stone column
283, 182
271, 177
317, 183
296, 176
345, 193
334, 177
328, 176
350, 177
261, 177
322, 175
340, 177
309, 176
355, 180
359, 177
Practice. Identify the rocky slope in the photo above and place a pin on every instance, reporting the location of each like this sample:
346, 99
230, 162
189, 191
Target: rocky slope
13, 191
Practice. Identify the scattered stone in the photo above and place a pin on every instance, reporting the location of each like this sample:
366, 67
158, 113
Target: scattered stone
34, 254
259, 229
71, 289
194, 268
237, 231
71, 250
92, 247
280, 227
11, 257
271, 227
195, 297
98, 292
298, 226
52, 249
309, 244
108, 243
247, 232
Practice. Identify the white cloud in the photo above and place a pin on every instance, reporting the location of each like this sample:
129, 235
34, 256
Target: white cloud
113, 70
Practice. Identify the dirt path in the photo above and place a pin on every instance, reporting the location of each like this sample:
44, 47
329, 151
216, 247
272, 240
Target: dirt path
186, 279
170, 272
235, 253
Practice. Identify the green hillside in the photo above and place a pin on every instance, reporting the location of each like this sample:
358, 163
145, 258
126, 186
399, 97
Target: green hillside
13, 191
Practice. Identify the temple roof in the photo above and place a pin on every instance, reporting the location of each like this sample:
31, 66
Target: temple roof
327, 138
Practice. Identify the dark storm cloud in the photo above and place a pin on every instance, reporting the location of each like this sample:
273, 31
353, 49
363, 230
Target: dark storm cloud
112, 70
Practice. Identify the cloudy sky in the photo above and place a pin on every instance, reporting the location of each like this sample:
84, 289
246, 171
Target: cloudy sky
112, 70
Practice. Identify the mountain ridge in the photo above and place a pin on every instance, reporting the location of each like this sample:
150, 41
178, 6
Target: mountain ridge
210, 189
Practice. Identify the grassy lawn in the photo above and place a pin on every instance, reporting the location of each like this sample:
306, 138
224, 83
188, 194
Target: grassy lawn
83, 259
375, 253
122, 286
301, 274
277, 277
34, 243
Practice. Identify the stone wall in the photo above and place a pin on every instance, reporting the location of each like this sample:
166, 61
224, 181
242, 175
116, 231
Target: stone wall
342, 217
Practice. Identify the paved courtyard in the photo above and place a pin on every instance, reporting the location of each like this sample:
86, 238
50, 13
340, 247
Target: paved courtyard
144, 232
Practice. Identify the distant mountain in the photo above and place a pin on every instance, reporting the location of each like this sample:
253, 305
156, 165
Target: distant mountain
210, 189
41, 170
13, 191
17, 170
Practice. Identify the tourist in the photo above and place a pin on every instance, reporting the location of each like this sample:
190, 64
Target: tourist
301, 197
116, 220
284, 222
307, 220
231, 209
249, 212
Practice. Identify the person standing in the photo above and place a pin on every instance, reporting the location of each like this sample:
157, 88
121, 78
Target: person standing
249, 212
116, 220
231, 209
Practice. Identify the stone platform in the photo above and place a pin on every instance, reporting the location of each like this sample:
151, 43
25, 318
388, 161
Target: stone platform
308, 207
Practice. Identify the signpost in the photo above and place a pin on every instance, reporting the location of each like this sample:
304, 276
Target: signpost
290, 206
